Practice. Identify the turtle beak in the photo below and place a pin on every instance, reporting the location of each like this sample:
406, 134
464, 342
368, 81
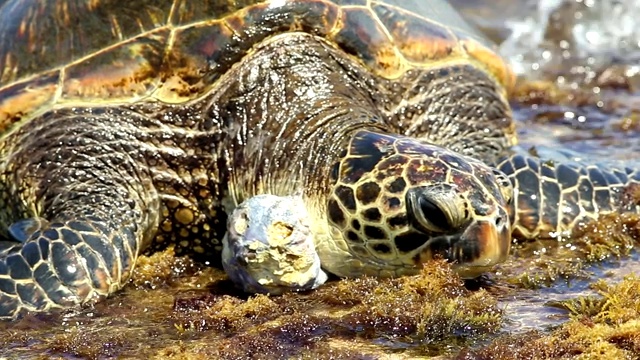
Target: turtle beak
482, 245
493, 244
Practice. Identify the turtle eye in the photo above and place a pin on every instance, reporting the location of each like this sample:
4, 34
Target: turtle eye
426, 214
433, 214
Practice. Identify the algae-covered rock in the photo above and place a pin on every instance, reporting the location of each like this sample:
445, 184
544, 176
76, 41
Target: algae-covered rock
608, 328
543, 262
429, 309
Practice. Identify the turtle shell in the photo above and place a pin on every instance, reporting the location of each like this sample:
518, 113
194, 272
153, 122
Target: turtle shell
68, 53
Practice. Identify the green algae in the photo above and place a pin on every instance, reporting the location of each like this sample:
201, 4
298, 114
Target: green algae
204, 316
541, 263
431, 308
604, 327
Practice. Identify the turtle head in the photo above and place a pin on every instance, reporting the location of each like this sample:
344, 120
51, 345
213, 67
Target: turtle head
398, 202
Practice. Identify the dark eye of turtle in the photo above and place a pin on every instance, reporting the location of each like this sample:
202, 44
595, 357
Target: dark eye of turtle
425, 213
433, 213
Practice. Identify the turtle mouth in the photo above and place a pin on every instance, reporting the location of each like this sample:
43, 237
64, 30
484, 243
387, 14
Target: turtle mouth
475, 251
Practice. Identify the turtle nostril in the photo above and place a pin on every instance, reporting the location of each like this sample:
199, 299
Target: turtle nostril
499, 220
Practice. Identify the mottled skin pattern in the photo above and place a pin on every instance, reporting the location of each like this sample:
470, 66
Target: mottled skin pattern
269, 246
557, 193
397, 202
129, 127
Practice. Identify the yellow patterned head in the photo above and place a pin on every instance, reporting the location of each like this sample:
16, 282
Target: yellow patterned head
397, 202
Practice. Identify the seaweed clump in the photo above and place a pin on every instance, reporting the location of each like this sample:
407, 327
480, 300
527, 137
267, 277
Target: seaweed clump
611, 237
433, 306
607, 327
427, 311
164, 269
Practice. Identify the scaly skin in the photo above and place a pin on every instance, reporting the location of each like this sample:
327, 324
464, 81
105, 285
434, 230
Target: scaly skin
557, 189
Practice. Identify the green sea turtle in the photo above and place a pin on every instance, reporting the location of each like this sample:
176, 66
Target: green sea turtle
127, 126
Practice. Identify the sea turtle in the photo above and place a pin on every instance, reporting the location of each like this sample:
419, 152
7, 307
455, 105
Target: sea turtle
127, 126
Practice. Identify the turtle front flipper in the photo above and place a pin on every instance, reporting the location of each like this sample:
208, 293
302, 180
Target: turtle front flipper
78, 206
22, 230
66, 263
556, 189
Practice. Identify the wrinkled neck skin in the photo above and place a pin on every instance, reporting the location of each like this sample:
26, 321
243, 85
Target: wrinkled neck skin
292, 109
291, 106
